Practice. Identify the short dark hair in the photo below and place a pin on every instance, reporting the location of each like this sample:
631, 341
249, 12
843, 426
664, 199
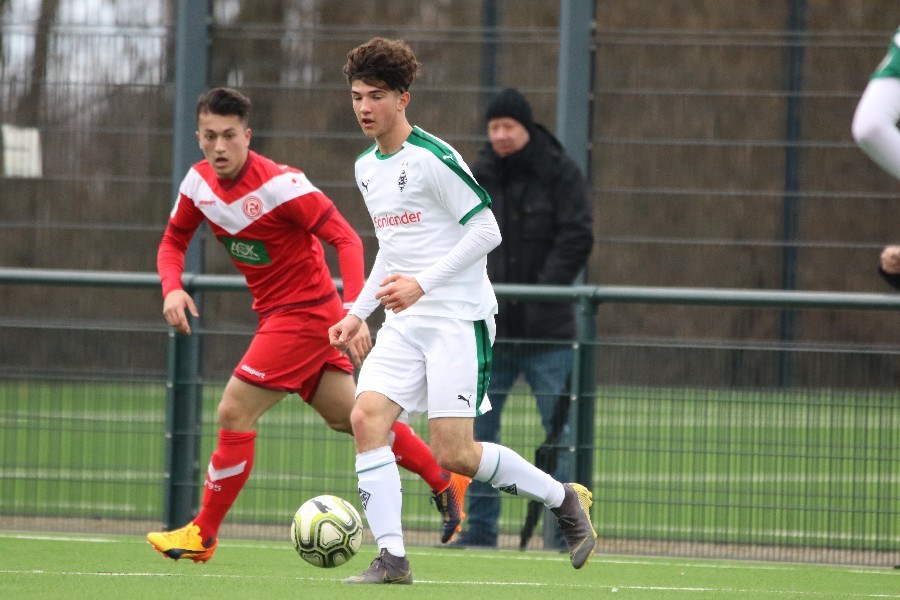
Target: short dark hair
226, 102
384, 63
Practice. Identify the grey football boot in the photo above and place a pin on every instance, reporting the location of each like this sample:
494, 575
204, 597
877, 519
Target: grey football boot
575, 521
386, 568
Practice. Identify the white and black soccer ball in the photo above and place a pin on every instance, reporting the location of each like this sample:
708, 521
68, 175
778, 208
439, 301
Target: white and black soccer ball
326, 531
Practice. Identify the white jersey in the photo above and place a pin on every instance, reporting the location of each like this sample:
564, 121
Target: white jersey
419, 199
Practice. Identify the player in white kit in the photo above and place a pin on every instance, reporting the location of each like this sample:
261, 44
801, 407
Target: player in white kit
434, 229
875, 131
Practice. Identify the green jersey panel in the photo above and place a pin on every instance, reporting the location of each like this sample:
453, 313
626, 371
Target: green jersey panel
447, 156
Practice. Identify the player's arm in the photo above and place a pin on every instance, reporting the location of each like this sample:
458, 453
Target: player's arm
874, 125
482, 234
875, 131
458, 192
332, 228
341, 334
170, 264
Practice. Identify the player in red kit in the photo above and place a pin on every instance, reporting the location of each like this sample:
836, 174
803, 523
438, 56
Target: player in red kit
270, 218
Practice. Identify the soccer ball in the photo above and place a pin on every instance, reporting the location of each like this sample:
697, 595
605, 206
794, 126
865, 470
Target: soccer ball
326, 531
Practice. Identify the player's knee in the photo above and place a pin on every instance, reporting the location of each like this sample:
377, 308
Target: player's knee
229, 416
371, 428
359, 419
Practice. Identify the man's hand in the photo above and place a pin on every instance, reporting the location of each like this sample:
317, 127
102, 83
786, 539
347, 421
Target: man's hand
890, 260
360, 345
174, 307
399, 292
342, 333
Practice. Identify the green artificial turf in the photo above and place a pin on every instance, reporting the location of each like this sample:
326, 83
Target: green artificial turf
43, 565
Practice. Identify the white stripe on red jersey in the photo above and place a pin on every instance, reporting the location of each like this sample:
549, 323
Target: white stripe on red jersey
268, 219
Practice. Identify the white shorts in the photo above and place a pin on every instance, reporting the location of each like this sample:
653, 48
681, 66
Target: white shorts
437, 365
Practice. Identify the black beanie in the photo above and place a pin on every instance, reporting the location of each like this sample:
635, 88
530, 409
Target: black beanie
510, 103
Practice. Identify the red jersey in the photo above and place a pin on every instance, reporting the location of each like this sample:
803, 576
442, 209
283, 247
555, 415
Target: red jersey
268, 218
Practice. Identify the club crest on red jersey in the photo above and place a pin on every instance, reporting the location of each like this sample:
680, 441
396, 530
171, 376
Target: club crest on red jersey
252, 207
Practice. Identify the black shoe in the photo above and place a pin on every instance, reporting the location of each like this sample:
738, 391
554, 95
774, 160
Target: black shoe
575, 521
387, 568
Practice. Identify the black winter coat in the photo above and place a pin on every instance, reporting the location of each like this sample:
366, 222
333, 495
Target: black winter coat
540, 199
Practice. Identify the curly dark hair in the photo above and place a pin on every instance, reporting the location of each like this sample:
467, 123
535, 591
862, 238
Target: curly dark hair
387, 64
226, 102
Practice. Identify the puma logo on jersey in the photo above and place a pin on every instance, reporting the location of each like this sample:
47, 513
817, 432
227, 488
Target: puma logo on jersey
464, 399
365, 184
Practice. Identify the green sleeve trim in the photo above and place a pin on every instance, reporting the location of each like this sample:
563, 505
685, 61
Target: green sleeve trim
890, 64
448, 158
472, 213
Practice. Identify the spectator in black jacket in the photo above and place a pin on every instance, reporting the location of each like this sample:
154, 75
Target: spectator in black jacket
541, 201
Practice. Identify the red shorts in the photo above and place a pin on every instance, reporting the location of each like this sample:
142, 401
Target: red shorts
290, 349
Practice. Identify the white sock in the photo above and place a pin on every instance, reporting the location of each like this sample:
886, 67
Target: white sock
381, 497
510, 473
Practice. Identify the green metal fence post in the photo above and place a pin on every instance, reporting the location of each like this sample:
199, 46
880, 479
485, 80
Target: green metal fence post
575, 96
183, 392
183, 418
583, 397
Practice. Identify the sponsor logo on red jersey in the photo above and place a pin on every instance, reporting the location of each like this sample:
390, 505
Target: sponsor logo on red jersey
251, 252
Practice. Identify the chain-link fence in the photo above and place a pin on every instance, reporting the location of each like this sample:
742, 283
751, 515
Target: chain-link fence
720, 157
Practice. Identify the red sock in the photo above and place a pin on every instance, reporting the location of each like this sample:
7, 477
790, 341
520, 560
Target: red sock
414, 455
229, 468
